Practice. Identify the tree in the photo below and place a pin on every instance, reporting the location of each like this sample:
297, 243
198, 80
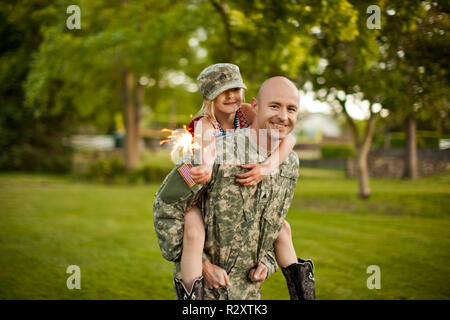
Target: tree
349, 69
269, 37
100, 67
31, 137
415, 43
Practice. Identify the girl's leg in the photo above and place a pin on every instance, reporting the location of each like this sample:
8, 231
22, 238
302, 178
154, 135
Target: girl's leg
284, 247
300, 287
193, 242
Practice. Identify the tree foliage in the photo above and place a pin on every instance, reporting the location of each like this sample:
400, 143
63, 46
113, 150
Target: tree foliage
54, 79
31, 138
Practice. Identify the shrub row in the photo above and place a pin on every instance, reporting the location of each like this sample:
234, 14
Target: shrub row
112, 170
424, 139
337, 151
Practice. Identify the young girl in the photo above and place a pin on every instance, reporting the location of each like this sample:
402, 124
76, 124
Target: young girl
222, 89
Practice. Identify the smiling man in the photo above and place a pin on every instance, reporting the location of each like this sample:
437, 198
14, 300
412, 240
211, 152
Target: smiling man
276, 107
241, 222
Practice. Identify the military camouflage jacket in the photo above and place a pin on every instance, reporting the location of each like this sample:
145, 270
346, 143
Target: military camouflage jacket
241, 223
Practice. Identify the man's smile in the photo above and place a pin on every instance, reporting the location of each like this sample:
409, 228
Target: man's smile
277, 125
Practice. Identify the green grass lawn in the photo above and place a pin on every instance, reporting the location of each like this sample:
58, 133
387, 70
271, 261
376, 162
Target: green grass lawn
50, 222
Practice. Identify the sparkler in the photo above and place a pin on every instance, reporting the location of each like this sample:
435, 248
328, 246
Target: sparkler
182, 143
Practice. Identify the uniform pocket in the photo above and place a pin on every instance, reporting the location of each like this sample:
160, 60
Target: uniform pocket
270, 228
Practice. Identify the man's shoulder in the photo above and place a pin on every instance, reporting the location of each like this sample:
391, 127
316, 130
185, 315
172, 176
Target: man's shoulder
293, 159
290, 166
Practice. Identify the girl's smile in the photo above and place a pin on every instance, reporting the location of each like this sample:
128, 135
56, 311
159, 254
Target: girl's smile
228, 101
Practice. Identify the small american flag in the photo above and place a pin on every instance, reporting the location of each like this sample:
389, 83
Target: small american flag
185, 171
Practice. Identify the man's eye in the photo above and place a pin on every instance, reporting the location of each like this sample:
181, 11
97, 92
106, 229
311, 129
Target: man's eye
292, 109
274, 106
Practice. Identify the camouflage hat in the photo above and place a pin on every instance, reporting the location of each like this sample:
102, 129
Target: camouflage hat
218, 78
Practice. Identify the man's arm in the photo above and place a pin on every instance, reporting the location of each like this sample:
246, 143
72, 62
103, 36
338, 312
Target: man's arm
215, 276
270, 262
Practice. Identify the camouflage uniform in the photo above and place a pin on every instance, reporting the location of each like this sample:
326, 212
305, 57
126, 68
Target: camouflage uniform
241, 222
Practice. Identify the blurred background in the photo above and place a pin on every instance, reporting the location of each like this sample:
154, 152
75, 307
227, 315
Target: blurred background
85, 92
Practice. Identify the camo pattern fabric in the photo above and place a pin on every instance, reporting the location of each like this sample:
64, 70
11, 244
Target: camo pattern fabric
218, 78
241, 222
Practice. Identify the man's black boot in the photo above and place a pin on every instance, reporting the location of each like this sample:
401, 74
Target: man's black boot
196, 292
300, 280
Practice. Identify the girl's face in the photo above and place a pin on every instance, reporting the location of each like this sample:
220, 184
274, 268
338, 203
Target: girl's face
228, 101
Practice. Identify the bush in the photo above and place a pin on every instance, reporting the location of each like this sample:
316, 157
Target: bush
428, 142
151, 173
36, 159
336, 151
422, 142
109, 167
106, 170
424, 139
398, 142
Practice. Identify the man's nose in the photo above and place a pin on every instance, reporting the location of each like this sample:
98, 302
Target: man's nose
282, 114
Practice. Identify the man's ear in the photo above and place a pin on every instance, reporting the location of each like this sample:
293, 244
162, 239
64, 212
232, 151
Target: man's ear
255, 104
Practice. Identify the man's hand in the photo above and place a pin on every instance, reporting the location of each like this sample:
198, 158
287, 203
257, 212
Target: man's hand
258, 274
215, 276
201, 173
251, 178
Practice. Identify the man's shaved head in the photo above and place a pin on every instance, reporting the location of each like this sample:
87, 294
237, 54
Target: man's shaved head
274, 83
276, 106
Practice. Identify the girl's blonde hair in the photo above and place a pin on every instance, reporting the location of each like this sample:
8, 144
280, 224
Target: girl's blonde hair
207, 109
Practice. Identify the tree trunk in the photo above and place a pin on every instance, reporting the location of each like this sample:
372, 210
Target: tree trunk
411, 161
131, 119
131, 140
362, 168
362, 173
362, 151
137, 116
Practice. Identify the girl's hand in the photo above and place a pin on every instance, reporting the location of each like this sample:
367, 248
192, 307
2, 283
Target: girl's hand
201, 173
257, 173
249, 112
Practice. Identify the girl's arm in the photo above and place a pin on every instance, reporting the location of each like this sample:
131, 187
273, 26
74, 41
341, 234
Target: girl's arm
260, 170
281, 153
207, 141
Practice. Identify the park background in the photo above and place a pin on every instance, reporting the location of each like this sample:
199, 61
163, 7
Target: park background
82, 109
